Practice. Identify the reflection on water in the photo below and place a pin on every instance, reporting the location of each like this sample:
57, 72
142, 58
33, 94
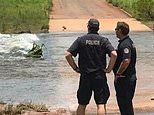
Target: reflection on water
51, 80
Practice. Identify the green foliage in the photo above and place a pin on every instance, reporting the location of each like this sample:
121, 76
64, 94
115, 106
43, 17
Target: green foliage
23, 15
145, 9
140, 9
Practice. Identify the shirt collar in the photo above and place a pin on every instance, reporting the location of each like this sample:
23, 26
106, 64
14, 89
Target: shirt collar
123, 38
91, 32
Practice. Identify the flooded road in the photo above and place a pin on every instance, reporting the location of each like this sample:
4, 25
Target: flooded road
51, 81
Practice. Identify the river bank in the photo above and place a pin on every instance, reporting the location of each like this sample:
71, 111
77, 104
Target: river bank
19, 18
63, 17
32, 109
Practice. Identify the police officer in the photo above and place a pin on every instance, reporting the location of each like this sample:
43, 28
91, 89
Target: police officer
124, 70
92, 49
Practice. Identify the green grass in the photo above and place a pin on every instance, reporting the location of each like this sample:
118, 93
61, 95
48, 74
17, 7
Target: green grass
140, 9
24, 15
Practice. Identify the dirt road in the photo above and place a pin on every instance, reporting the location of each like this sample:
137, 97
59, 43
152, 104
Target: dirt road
74, 14
79, 9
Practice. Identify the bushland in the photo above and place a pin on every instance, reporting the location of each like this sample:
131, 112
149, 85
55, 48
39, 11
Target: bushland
142, 10
20, 16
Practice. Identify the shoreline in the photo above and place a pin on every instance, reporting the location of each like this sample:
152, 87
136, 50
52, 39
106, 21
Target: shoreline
80, 25
143, 105
63, 15
89, 111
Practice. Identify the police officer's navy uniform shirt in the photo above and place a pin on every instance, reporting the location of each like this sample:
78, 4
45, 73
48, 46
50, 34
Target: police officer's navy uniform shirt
126, 50
92, 50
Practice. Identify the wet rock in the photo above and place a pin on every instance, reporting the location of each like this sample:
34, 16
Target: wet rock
2, 106
64, 28
152, 98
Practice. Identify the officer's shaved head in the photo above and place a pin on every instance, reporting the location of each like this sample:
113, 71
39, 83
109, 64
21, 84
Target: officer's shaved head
93, 24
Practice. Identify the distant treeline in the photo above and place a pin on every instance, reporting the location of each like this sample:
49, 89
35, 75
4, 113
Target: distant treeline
17, 16
140, 9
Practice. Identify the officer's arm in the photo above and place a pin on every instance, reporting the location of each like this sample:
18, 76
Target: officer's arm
70, 60
111, 62
123, 66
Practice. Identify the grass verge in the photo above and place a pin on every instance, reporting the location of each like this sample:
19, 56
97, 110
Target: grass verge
18, 16
142, 10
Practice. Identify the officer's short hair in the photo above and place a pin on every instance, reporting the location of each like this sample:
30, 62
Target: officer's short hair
93, 24
124, 27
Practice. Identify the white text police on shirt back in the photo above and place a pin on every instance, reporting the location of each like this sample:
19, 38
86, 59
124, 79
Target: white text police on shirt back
92, 42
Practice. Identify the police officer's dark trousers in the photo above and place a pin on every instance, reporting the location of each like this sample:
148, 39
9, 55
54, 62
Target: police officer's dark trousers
125, 89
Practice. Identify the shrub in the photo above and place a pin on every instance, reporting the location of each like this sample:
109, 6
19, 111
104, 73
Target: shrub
24, 15
145, 9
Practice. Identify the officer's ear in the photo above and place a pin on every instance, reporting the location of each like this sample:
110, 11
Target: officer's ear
87, 26
120, 30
